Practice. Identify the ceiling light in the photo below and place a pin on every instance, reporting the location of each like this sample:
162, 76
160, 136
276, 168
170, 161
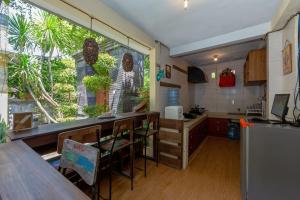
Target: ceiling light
216, 58
185, 4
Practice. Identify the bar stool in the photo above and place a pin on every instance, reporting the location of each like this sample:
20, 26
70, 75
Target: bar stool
152, 128
84, 160
118, 142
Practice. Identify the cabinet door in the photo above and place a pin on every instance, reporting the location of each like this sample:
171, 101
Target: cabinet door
218, 127
255, 69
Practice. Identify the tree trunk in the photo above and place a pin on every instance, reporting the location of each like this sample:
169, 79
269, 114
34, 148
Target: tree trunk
50, 70
40, 105
46, 94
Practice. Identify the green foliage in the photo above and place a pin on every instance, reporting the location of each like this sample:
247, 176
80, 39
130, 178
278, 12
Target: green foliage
101, 80
3, 131
96, 83
144, 92
23, 68
64, 75
19, 32
47, 32
6, 1
104, 64
69, 110
95, 110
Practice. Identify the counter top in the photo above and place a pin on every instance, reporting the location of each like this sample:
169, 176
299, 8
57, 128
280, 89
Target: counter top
192, 123
232, 116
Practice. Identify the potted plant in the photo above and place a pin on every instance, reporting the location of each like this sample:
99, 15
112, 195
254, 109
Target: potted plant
3, 131
100, 82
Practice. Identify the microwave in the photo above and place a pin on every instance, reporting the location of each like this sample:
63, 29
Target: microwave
174, 112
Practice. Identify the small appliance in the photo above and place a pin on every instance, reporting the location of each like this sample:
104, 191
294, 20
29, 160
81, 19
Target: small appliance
174, 112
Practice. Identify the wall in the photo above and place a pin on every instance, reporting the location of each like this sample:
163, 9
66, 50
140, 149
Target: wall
277, 82
216, 99
177, 78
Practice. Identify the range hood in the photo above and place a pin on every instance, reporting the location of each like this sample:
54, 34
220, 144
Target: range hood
196, 75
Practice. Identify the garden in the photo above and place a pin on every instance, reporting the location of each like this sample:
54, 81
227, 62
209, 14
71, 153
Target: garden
43, 71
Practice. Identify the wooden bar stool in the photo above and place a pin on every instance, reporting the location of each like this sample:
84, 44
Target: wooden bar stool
151, 129
89, 136
121, 129
84, 160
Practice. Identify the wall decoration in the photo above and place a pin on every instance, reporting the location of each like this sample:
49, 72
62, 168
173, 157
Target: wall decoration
127, 62
90, 49
22, 121
227, 78
160, 73
287, 58
168, 71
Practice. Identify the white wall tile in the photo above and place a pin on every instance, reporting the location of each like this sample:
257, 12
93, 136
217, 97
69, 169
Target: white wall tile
216, 99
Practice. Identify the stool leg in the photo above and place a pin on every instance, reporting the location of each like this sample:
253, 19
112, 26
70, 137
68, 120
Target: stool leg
131, 167
157, 151
110, 177
145, 156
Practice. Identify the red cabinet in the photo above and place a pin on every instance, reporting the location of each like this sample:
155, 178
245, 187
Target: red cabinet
197, 135
217, 127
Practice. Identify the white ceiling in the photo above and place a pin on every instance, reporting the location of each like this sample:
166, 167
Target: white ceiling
168, 22
233, 52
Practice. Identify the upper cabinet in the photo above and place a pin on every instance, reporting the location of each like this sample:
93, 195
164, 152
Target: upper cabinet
255, 68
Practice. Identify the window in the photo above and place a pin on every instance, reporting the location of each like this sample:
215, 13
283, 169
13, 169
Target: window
59, 86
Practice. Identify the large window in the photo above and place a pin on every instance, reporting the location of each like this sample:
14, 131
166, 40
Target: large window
47, 74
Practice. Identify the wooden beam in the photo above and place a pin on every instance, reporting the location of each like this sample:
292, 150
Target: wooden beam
179, 69
170, 85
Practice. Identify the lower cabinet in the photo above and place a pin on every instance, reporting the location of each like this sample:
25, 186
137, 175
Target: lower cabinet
197, 135
217, 127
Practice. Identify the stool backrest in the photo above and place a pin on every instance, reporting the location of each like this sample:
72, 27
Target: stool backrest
84, 135
153, 121
83, 159
121, 127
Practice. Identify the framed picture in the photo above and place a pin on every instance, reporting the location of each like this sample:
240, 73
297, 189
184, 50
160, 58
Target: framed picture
22, 121
287, 59
168, 71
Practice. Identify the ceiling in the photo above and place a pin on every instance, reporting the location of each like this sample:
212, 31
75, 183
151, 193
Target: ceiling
233, 52
168, 22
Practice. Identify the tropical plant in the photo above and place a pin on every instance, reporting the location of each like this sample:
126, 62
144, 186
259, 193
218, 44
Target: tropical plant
25, 68
5, 1
3, 131
101, 80
49, 36
95, 110
144, 92
19, 33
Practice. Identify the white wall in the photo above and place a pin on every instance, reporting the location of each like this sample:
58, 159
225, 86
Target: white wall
216, 99
277, 82
177, 78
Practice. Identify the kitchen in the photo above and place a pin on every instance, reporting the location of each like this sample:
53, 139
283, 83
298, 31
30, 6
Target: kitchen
201, 106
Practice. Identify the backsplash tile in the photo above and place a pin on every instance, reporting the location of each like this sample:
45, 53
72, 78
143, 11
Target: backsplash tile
216, 99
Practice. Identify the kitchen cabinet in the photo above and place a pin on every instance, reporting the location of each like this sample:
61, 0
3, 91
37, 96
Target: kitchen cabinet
255, 68
217, 127
197, 135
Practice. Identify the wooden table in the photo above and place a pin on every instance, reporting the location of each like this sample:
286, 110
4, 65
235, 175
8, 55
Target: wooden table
24, 175
47, 134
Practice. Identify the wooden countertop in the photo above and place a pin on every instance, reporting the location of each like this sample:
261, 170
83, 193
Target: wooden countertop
47, 129
225, 115
24, 175
192, 123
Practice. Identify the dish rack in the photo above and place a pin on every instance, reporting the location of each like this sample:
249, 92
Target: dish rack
256, 109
